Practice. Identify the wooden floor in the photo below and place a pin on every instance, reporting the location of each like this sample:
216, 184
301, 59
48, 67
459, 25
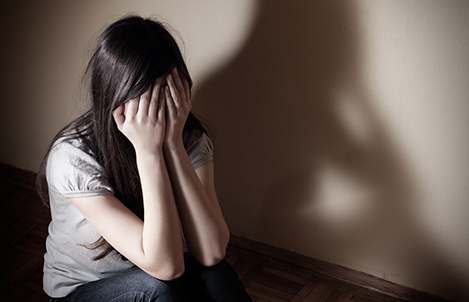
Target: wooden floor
23, 225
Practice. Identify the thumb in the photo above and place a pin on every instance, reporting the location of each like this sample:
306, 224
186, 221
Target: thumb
119, 116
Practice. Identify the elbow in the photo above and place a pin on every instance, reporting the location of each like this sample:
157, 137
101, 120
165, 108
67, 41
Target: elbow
171, 272
213, 253
216, 254
212, 261
169, 276
213, 258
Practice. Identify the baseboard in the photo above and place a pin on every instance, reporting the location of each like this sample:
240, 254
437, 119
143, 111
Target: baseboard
13, 174
333, 270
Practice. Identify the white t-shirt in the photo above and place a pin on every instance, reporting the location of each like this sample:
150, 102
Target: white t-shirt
73, 172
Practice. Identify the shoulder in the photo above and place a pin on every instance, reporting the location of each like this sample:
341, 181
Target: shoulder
72, 170
199, 147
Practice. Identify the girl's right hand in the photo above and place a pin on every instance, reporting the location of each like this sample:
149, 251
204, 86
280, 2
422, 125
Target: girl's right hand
142, 120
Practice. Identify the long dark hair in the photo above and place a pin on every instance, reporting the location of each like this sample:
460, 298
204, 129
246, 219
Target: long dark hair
130, 54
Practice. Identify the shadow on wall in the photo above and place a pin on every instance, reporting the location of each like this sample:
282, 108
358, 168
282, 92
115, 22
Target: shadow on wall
292, 120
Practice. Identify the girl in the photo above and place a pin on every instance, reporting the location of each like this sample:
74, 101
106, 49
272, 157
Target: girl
132, 178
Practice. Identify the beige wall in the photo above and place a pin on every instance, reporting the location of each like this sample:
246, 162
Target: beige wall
341, 126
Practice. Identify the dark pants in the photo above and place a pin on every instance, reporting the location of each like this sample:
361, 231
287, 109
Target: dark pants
198, 283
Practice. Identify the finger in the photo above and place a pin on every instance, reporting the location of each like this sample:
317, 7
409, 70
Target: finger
177, 79
187, 95
182, 86
174, 92
131, 108
144, 102
187, 89
154, 101
119, 116
161, 110
171, 108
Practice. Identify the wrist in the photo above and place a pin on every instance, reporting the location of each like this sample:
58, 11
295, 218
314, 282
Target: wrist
145, 156
172, 146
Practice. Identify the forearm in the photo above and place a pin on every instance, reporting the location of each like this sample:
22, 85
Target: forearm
161, 235
204, 227
155, 244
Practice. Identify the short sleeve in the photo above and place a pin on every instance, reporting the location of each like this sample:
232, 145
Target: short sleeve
73, 172
199, 148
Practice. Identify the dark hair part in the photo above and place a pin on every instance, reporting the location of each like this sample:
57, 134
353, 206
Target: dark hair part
130, 54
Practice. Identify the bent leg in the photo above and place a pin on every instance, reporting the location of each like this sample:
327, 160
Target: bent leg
135, 285
216, 283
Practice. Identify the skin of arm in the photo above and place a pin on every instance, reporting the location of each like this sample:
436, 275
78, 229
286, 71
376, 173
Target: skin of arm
174, 194
155, 244
204, 227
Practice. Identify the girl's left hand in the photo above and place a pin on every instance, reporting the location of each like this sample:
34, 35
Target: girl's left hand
178, 106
